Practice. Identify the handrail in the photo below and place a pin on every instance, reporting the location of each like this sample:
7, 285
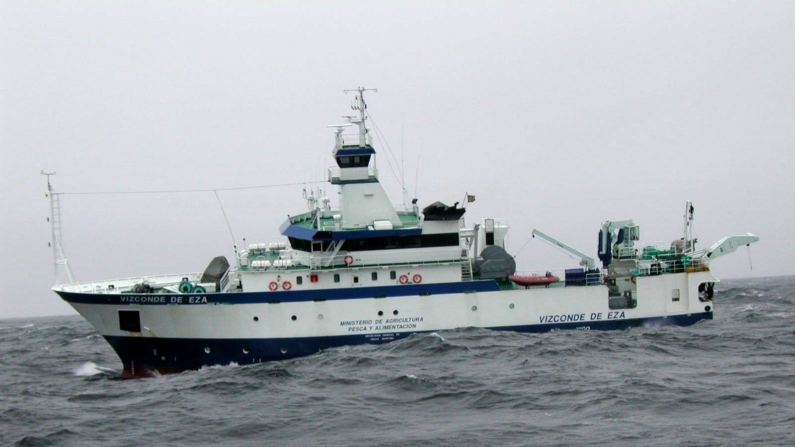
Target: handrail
121, 283
335, 172
685, 264
350, 139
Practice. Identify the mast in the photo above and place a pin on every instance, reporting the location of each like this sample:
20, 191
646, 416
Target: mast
690, 245
361, 106
58, 256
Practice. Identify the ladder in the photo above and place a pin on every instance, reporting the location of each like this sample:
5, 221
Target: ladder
466, 269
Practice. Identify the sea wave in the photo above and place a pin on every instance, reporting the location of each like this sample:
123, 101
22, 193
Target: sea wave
654, 386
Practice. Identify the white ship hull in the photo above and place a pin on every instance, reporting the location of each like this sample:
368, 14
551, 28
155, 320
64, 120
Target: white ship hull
179, 332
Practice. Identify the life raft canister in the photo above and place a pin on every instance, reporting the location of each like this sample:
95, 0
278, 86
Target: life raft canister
185, 286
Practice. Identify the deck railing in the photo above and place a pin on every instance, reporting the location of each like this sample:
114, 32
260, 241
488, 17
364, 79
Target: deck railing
335, 173
685, 264
318, 261
124, 284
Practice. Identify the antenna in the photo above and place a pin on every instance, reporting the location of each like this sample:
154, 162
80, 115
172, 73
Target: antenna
58, 256
403, 164
417, 175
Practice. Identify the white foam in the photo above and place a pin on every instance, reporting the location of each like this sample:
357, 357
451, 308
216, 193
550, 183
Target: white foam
230, 365
434, 334
88, 369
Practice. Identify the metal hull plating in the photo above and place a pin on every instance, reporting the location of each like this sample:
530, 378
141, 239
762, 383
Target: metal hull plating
179, 332
144, 357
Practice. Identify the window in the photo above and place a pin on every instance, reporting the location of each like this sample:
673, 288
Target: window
299, 280
383, 243
675, 295
393, 275
356, 280
336, 277
375, 276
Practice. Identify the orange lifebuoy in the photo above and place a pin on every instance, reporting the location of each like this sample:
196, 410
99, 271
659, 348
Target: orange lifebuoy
286, 285
273, 285
417, 278
404, 279
348, 259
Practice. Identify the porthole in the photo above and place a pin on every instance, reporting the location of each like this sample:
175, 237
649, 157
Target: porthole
245, 350
395, 312
510, 306
380, 313
256, 319
319, 316
207, 350
284, 350
163, 358
293, 318
474, 308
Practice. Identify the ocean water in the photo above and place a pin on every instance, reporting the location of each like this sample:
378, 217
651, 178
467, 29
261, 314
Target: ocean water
730, 381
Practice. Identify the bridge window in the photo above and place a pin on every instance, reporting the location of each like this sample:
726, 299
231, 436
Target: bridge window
356, 161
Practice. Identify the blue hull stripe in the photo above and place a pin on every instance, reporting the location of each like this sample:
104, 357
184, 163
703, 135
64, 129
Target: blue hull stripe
292, 296
143, 355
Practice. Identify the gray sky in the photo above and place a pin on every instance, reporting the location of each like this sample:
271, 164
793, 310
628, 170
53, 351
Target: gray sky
556, 115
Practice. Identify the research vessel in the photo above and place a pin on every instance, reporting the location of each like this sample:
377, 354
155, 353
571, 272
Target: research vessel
366, 271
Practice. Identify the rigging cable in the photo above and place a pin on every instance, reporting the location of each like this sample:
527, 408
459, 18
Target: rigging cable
383, 141
523, 246
177, 191
234, 243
